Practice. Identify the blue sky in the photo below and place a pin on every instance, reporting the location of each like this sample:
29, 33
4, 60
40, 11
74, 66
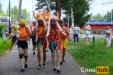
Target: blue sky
96, 7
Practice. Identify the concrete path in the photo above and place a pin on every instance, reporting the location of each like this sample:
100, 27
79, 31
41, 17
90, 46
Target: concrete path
10, 65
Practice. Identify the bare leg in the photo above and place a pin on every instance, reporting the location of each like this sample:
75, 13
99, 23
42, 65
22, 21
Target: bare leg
58, 61
44, 56
63, 53
21, 57
39, 54
53, 59
26, 57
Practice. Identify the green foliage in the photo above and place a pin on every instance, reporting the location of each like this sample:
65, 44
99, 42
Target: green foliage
24, 14
98, 31
99, 17
4, 45
80, 9
1, 10
89, 57
1, 28
14, 13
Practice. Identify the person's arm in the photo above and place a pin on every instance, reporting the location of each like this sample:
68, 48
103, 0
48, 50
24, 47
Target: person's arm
57, 15
48, 29
34, 15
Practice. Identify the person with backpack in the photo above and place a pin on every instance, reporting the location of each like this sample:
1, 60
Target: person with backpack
55, 44
14, 35
23, 44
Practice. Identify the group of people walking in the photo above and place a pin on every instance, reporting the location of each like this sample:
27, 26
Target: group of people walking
47, 32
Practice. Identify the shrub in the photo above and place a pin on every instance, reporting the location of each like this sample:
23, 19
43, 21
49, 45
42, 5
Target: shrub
98, 31
1, 28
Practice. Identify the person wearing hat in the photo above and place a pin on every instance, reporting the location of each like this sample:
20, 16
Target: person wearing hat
23, 44
14, 35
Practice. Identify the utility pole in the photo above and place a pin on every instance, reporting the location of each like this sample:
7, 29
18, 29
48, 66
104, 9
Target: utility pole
19, 12
9, 19
58, 3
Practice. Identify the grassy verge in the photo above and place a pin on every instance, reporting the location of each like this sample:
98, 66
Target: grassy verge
4, 46
89, 57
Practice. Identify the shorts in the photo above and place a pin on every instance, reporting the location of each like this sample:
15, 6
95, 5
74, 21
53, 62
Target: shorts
64, 43
22, 44
33, 41
54, 45
87, 34
13, 40
40, 41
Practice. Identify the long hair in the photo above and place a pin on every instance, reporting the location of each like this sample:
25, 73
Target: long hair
53, 23
40, 22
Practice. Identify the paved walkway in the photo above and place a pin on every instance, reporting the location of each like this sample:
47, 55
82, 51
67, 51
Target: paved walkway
9, 65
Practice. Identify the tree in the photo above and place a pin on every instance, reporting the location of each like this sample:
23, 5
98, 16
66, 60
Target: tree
107, 16
1, 10
14, 13
80, 9
24, 14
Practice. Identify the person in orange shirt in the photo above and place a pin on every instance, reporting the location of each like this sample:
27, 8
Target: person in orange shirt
40, 39
23, 44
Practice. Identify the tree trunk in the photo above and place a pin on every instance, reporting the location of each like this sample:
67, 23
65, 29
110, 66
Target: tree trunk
47, 5
58, 9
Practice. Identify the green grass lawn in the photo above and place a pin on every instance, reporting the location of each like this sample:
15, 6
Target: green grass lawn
88, 56
4, 46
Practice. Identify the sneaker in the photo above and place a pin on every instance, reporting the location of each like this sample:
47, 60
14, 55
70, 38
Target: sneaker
54, 69
39, 66
44, 65
33, 53
26, 65
61, 62
58, 71
22, 70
